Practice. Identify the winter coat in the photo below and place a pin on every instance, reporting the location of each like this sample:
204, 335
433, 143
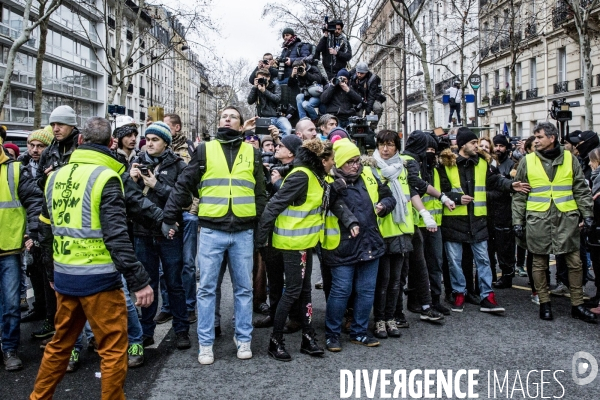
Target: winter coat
56, 155
340, 103
185, 150
166, 174
189, 181
331, 63
369, 244
552, 231
469, 228
123, 158
499, 202
368, 91
303, 82
267, 101
31, 165
297, 51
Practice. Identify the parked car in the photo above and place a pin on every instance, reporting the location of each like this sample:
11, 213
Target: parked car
19, 138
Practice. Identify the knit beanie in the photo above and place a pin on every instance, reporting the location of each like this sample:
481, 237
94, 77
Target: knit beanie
43, 135
337, 131
292, 143
13, 147
161, 130
63, 115
343, 72
501, 140
344, 151
362, 67
266, 138
288, 30
464, 136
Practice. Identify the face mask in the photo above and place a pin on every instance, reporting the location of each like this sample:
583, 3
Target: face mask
430, 157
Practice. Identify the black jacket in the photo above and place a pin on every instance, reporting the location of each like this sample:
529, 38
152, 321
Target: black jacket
26, 160
340, 103
303, 82
467, 229
56, 155
333, 63
368, 91
297, 51
166, 174
267, 101
369, 244
114, 231
188, 181
500, 202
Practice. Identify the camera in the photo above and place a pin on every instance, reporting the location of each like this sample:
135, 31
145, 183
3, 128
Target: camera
144, 170
335, 81
360, 131
280, 68
262, 81
300, 70
560, 110
287, 110
266, 62
328, 26
268, 157
282, 169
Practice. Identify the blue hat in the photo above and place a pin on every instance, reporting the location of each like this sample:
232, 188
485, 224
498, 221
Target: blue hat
343, 72
161, 130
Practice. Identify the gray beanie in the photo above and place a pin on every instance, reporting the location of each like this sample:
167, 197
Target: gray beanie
362, 67
63, 115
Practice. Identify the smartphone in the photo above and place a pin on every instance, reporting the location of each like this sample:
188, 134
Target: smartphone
262, 126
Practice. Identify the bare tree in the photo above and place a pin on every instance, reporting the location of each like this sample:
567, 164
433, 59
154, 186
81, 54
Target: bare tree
39, 62
28, 26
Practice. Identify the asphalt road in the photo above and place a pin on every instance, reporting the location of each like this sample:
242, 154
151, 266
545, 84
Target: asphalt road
512, 345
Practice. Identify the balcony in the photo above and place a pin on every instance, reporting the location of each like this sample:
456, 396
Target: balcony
495, 101
507, 98
560, 14
531, 30
142, 92
441, 87
561, 87
531, 94
414, 97
495, 48
505, 43
130, 88
519, 96
579, 84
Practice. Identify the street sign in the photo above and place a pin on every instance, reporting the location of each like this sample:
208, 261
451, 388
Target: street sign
475, 81
481, 112
468, 98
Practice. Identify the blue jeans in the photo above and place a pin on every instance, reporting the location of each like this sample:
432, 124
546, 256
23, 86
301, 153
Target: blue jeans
155, 251
307, 107
283, 124
10, 281
239, 247
188, 274
363, 277
88, 336
482, 262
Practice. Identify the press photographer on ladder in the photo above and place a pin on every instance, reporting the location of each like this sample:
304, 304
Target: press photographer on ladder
266, 94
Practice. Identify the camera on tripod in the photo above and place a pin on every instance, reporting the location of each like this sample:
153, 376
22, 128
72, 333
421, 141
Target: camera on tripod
329, 26
359, 130
560, 109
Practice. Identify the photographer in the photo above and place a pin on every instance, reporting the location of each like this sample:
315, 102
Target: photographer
335, 51
326, 123
267, 62
293, 49
267, 95
303, 77
368, 85
340, 99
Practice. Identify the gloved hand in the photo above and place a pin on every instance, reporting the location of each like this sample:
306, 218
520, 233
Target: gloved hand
519, 231
339, 185
165, 228
588, 223
430, 223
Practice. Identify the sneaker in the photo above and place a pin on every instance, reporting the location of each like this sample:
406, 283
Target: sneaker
392, 329
12, 362
135, 355
147, 341
24, 305
365, 340
73, 361
46, 331
319, 284
192, 317
243, 349
93, 345
439, 307
379, 330
45, 342
333, 344
535, 299
520, 271
401, 321
205, 355
163, 317
430, 314
472, 299
561, 290
183, 340
459, 302
490, 305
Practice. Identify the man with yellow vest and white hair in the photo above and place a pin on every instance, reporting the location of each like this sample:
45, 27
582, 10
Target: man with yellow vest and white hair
20, 204
465, 178
549, 216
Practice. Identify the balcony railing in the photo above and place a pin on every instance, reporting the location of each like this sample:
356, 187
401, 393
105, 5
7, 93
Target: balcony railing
495, 48
504, 43
531, 30
560, 14
519, 95
414, 97
495, 101
579, 84
507, 98
561, 87
531, 94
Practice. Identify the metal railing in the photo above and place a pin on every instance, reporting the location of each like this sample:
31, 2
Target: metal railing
579, 84
519, 95
495, 101
561, 87
560, 14
531, 93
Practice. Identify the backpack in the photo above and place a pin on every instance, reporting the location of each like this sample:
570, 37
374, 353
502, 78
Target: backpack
311, 47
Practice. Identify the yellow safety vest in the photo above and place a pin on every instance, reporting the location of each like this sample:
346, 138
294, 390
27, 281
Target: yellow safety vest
299, 227
73, 194
560, 190
330, 234
13, 218
387, 226
220, 188
479, 201
432, 204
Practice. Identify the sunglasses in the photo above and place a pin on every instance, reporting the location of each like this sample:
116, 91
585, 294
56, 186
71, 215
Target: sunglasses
252, 137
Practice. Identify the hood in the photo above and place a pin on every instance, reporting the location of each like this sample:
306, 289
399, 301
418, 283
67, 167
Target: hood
308, 159
417, 143
448, 158
368, 161
96, 154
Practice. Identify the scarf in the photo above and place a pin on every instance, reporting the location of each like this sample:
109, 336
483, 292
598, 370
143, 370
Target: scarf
595, 181
552, 153
228, 135
289, 42
178, 141
349, 178
152, 161
391, 169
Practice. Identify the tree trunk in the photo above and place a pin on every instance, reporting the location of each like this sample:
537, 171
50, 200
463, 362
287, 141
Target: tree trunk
39, 62
513, 97
584, 52
427, 79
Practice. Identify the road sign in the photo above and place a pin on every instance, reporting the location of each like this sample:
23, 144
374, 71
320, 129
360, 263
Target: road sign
475, 81
481, 112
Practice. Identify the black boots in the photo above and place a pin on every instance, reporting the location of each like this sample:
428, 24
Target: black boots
309, 344
505, 282
546, 311
277, 348
582, 313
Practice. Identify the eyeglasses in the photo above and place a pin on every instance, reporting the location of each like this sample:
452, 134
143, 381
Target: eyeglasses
252, 137
353, 163
388, 145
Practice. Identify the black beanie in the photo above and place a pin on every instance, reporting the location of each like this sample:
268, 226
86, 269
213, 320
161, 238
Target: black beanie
292, 143
288, 30
501, 140
464, 136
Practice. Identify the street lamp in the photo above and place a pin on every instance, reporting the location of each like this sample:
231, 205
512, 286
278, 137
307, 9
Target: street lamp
404, 102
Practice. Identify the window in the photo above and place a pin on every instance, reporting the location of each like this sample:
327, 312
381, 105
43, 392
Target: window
518, 75
486, 82
507, 77
532, 73
562, 65
497, 79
